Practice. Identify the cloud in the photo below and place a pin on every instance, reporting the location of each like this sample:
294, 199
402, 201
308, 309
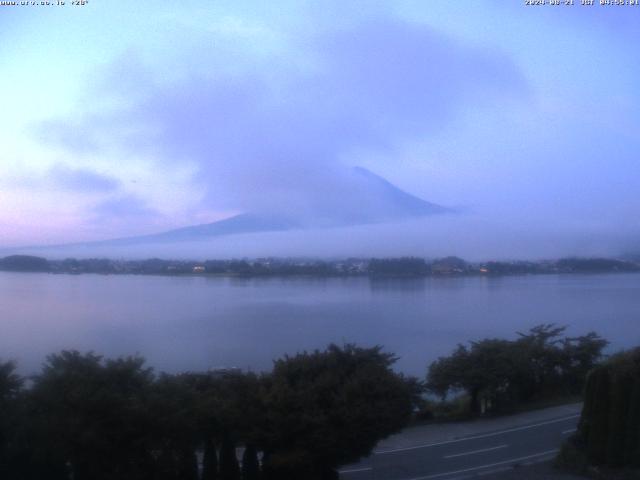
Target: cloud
205, 111
75, 136
123, 215
81, 180
278, 134
65, 179
126, 206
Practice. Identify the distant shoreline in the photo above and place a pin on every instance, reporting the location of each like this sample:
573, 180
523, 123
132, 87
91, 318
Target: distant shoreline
398, 267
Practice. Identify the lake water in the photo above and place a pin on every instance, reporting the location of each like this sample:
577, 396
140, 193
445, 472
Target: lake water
189, 323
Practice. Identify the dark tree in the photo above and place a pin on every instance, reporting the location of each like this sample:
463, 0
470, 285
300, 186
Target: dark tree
90, 417
329, 408
10, 388
632, 431
174, 431
10, 382
579, 356
484, 371
449, 265
590, 265
609, 427
229, 468
209, 461
24, 263
250, 464
404, 266
598, 423
188, 465
497, 373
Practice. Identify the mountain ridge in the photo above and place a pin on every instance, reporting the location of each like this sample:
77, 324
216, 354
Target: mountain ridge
376, 201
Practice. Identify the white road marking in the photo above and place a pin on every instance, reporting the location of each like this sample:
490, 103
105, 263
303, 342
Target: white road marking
486, 435
571, 430
475, 451
513, 460
354, 470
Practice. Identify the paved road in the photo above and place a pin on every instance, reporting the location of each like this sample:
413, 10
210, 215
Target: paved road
522, 439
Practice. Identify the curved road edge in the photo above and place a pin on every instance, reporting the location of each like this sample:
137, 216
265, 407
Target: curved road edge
462, 449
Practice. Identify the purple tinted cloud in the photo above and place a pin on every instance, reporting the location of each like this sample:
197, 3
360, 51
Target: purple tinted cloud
81, 180
123, 207
273, 137
61, 177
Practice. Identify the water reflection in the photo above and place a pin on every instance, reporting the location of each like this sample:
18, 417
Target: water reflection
182, 323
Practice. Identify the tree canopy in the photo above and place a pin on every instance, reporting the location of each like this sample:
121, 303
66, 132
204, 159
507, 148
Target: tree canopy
91, 418
609, 428
328, 408
498, 373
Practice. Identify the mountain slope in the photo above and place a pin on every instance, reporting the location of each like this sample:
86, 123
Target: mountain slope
367, 198
396, 202
243, 223
362, 198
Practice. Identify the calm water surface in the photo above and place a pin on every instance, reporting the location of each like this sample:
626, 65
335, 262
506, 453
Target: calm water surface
182, 323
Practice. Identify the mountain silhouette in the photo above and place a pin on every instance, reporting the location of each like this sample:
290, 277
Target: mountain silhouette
368, 199
363, 198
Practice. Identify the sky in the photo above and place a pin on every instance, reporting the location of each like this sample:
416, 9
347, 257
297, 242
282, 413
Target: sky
125, 118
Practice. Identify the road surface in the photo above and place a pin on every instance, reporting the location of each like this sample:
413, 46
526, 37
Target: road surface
484, 447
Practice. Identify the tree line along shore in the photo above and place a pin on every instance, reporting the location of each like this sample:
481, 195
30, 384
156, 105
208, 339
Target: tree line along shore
376, 267
87, 417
